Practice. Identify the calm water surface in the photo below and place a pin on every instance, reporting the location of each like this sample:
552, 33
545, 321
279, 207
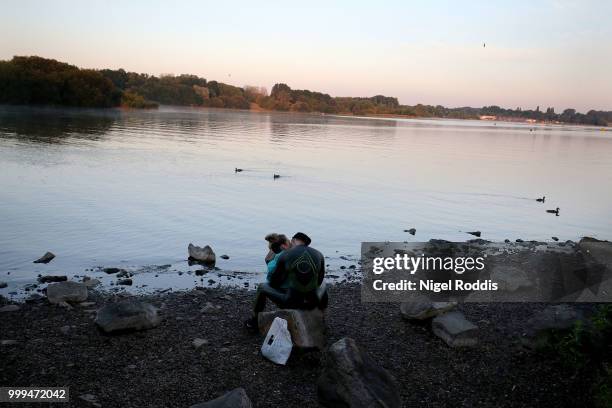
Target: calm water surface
132, 188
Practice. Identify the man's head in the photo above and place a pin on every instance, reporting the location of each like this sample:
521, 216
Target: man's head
300, 239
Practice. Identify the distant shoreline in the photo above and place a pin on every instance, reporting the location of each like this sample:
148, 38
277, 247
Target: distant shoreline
33, 80
259, 109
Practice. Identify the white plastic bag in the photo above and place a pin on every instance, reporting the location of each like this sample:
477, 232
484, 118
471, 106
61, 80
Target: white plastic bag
277, 345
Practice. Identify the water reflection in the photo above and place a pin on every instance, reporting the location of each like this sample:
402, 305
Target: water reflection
54, 126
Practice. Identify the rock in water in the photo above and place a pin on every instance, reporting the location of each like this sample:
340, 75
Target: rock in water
125, 282
350, 378
204, 255
3, 285
112, 270
455, 330
307, 327
68, 291
237, 398
52, 278
46, 258
127, 315
411, 231
475, 233
423, 309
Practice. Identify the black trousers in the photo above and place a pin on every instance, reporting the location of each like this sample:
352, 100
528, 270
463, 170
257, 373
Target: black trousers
290, 299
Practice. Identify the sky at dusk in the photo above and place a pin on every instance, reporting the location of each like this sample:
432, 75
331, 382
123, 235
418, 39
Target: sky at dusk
546, 53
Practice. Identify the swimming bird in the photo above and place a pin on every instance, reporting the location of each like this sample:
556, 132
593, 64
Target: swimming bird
237, 170
276, 176
555, 238
541, 200
411, 231
556, 212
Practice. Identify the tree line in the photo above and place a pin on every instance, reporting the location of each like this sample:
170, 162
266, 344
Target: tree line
40, 81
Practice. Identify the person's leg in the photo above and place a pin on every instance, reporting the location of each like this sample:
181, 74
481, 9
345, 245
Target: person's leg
264, 292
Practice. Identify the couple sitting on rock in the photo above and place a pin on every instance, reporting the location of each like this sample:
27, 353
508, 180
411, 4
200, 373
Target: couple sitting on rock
295, 276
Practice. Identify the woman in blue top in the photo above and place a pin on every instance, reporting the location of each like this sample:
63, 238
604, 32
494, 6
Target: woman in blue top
278, 243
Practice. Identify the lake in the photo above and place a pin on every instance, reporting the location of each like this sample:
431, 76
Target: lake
132, 189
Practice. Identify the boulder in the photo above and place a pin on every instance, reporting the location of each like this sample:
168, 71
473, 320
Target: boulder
455, 330
237, 398
204, 255
52, 278
46, 258
9, 308
350, 378
510, 278
307, 327
126, 316
68, 291
423, 309
90, 283
544, 323
599, 251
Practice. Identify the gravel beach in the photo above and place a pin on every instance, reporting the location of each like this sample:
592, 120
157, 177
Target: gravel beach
161, 367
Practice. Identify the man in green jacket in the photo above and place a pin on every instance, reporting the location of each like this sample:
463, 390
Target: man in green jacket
296, 282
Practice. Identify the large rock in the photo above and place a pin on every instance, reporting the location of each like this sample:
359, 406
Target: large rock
46, 258
204, 255
307, 327
66, 292
237, 398
455, 330
599, 251
544, 323
127, 316
91, 283
350, 378
510, 278
423, 309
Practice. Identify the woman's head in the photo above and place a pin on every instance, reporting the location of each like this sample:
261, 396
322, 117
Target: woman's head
278, 242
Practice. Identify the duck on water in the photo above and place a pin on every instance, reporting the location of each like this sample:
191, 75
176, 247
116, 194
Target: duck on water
556, 212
